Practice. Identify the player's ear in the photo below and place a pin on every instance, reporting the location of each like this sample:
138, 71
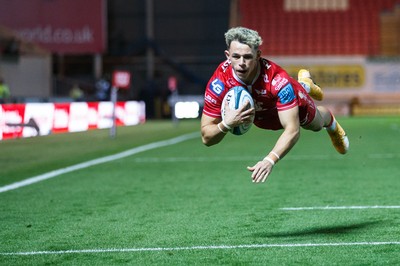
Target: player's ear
258, 54
227, 54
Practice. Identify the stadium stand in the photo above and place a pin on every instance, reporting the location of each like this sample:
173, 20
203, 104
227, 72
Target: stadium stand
390, 31
354, 30
339, 28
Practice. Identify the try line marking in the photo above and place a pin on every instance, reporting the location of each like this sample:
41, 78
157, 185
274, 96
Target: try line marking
106, 159
338, 208
158, 249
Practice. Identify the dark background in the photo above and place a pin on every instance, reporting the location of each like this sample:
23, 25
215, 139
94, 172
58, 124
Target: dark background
188, 43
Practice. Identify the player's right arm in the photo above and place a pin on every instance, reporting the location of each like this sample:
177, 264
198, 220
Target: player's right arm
212, 130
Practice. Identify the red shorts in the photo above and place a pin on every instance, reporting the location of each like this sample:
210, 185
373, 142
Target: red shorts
268, 119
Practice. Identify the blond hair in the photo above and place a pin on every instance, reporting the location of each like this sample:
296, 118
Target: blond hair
243, 35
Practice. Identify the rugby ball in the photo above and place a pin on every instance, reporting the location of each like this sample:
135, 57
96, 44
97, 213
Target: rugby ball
236, 98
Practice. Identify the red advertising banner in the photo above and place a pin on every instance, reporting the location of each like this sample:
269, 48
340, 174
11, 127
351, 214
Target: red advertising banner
38, 119
61, 117
11, 121
60, 26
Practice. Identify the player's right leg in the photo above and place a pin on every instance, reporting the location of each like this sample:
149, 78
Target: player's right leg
304, 78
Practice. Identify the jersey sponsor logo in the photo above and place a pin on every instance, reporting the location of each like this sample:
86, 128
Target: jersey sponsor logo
286, 95
278, 82
225, 65
217, 87
209, 98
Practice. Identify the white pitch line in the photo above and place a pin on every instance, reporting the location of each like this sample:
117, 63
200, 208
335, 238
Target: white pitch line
159, 144
338, 208
250, 158
158, 249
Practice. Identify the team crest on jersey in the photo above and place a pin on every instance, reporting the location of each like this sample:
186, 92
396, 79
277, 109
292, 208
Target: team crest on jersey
231, 82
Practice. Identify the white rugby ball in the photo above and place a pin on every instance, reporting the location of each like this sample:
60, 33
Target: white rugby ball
236, 98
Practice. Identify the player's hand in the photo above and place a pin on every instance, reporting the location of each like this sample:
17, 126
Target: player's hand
260, 171
236, 117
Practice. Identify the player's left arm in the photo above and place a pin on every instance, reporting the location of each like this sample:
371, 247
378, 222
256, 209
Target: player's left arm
288, 112
291, 133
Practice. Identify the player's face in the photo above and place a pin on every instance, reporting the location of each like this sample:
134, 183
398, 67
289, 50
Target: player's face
244, 60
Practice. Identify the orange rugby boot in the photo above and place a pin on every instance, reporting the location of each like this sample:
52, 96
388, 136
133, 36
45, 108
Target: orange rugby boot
304, 78
339, 138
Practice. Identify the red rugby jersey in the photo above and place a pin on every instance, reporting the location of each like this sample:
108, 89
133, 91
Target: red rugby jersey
273, 90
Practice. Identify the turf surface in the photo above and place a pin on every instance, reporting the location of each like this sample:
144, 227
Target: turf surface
187, 204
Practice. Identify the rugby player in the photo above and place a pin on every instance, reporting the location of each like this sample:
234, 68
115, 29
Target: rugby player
281, 102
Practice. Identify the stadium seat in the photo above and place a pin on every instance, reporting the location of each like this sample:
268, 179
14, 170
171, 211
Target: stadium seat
353, 31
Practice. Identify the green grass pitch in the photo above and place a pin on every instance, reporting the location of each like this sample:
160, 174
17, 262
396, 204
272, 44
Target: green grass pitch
187, 204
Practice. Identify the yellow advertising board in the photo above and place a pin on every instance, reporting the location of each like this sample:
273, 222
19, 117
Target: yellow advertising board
334, 76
